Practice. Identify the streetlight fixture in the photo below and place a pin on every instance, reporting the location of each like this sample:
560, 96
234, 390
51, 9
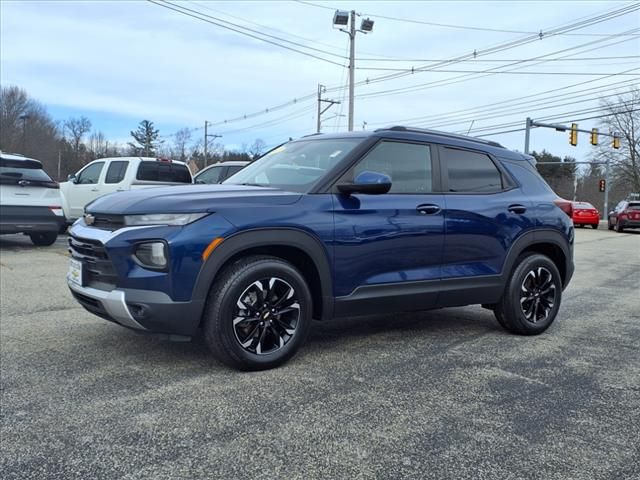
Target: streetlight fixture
344, 18
24, 117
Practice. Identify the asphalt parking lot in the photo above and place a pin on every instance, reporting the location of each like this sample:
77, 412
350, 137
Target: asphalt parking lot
441, 394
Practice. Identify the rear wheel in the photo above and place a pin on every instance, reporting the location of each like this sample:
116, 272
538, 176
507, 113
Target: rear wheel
43, 239
594, 226
258, 313
531, 297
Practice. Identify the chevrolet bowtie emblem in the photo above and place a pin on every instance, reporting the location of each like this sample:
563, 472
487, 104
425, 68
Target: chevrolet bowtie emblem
89, 219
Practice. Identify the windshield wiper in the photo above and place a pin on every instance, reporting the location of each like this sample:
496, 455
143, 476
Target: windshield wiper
252, 184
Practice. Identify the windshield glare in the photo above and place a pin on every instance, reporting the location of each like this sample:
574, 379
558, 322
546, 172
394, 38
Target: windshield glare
295, 166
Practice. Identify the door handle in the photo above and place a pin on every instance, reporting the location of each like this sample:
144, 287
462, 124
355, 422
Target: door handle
95, 190
428, 209
519, 209
120, 190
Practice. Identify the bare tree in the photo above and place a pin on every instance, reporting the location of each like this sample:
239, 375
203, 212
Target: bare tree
623, 118
256, 148
76, 128
181, 139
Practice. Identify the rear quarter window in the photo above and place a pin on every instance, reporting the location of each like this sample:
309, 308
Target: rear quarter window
163, 172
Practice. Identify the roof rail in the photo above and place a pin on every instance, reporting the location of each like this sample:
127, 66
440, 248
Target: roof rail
400, 128
312, 135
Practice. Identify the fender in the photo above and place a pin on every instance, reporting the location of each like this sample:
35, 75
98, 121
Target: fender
289, 237
538, 236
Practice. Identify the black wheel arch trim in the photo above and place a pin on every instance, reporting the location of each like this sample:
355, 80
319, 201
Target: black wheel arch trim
536, 237
265, 237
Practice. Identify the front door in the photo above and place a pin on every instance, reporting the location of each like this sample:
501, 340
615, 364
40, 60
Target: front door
84, 189
388, 248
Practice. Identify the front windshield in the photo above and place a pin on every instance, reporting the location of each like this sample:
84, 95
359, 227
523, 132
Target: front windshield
295, 166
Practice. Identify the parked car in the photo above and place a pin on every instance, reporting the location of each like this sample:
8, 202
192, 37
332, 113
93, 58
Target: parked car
395, 220
625, 215
219, 172
585, 214
108, 175
29, 200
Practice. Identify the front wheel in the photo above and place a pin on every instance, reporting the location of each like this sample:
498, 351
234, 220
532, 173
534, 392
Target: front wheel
619, 227
258, 313
43, 239
531, 297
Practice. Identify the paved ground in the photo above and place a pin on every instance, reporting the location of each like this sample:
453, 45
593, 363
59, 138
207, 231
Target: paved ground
443, 394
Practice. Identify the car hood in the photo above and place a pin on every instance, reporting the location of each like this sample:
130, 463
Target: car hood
189, 199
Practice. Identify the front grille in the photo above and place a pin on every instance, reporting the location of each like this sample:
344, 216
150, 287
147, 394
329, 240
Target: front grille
98, 271
108, 222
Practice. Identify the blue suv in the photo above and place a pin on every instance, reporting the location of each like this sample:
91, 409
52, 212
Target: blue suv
395, 220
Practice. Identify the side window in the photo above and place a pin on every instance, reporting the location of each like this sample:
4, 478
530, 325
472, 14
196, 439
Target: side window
233, 170
213, 175
116, 171
408, 165
91, 174
471, 172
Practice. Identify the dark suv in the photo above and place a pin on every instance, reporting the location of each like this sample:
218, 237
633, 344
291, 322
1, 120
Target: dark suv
327, 226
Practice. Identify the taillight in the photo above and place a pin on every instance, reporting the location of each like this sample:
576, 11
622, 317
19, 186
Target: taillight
56, 210
564, 205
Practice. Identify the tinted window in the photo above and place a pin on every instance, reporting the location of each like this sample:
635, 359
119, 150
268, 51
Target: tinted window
213, 175
91, 174
634, 206
116, 171
408, 165
163, 172
233, 170
12, 171
471, 172
583, 206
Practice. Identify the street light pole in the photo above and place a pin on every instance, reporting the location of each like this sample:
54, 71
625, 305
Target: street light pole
24, 117
352, 66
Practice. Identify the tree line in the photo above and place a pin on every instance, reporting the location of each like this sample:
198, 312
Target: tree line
65, 146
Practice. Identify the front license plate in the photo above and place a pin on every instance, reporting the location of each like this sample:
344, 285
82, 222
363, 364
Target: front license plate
74, 275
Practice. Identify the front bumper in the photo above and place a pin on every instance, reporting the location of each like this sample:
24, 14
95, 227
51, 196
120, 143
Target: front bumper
142, 310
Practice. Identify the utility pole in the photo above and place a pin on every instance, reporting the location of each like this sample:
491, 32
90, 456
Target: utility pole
527, 136
352, 66
206, 142
342, 18
321, 90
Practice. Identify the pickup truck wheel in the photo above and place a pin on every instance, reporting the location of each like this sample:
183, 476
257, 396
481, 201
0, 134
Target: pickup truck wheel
258, 313
531, 297
43, 239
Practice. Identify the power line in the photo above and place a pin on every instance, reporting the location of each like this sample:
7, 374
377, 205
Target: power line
217, 22
493, 60
509, 72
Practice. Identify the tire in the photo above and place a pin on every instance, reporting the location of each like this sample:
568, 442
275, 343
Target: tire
537, 274
43, 239
266, 339
619, 228
594, 226
609, 224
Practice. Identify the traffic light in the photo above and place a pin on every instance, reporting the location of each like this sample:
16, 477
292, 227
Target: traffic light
573, 134
602, 185
594, 136
616, 141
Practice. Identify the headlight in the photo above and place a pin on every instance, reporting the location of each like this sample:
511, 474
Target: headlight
163, 218
152, 255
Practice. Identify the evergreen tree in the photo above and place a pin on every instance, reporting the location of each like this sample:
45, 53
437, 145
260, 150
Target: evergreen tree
146, 139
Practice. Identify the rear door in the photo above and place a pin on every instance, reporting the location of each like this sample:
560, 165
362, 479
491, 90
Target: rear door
114, 178
389, 247
484, 213
84, 188
215, 174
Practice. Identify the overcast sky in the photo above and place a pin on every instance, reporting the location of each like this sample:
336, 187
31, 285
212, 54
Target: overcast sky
118, 62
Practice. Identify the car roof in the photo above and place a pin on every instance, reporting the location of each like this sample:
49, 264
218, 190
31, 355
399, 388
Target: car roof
17, 157
144, 159
230, 163
400, 132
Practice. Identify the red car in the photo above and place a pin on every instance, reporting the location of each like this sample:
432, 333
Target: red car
585, 214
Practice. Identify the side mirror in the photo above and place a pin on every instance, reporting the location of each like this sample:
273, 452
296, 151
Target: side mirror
72, 178
370, 183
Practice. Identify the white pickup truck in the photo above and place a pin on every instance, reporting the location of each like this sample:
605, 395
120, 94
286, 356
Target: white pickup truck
108, 175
